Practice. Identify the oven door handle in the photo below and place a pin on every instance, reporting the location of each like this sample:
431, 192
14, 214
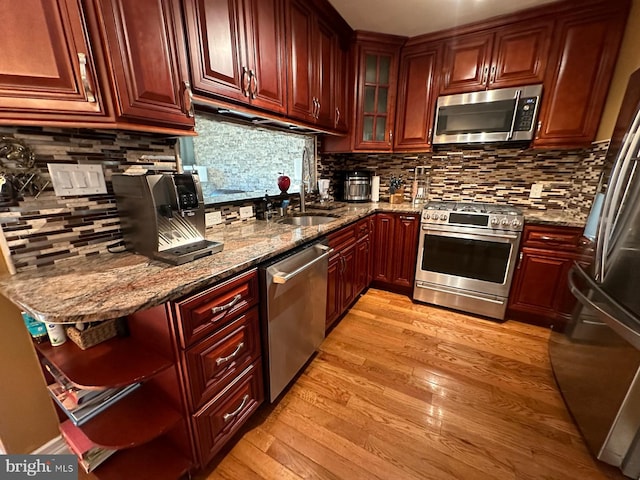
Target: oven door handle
472, 236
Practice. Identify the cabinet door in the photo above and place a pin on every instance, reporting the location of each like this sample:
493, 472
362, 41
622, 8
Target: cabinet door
46, 66
416, 99
467, 60
334, 288
300, 49
342, 87
520, 54
349, 276
147, 60
383, 247
265, 36
405, 248
216, 34
581, 64
325, 45
376, 98
539, 278
363, 262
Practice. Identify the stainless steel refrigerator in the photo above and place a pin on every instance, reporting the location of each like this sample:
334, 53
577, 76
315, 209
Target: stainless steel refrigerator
596, 361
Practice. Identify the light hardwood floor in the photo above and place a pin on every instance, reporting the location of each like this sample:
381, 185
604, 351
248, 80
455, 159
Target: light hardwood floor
406, 391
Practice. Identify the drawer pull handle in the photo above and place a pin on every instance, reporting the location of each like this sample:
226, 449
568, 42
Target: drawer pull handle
222, 308
547, 238
228, 416
221, 360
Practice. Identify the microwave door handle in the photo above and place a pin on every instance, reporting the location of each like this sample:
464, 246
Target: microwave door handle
515, 114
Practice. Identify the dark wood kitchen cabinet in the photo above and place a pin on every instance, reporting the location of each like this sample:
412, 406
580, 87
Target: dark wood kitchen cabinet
311, 51
394, 252
581, 64
220, 354
540, 291
146, 61
48, 73
236, 51
349, 267
511, 55
152, 434
417, 94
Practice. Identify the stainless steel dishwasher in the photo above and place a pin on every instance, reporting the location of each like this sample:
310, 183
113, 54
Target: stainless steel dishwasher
295, 289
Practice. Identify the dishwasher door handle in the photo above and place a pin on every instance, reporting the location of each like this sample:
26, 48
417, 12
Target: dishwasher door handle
282, 277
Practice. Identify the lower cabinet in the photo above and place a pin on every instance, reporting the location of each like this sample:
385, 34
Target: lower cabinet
349, 267
540, 292
220, 356
395, 246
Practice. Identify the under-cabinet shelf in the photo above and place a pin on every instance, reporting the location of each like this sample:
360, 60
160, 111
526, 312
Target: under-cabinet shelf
114, 363
156, 460
134, 420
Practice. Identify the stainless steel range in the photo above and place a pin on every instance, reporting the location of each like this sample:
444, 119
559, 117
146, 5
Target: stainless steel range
466, 256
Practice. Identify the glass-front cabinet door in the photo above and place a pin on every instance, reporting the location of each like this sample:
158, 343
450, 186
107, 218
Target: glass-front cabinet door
378, 71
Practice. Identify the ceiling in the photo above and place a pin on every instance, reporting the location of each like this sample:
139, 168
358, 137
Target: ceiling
414, 17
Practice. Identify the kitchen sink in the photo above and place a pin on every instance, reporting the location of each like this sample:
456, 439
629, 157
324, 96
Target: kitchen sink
307, 219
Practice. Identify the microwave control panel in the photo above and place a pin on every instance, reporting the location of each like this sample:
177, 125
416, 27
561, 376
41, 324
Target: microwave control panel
527, 108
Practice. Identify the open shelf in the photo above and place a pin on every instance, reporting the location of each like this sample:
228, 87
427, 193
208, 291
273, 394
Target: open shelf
114, 363
156, 460
137, 418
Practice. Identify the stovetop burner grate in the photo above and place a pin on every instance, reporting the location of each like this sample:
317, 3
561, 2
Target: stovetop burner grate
473, 207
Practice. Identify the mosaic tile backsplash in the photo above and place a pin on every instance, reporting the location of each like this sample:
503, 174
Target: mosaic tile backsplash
50, 229
486, 175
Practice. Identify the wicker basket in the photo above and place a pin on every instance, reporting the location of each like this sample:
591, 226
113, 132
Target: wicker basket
93, 335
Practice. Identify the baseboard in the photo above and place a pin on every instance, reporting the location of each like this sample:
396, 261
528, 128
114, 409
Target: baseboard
55, 446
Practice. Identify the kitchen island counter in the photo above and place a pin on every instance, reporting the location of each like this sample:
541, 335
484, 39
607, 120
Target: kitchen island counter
113, 285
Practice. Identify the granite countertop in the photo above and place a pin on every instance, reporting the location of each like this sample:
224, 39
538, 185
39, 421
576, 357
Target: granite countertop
114, 285
565, 218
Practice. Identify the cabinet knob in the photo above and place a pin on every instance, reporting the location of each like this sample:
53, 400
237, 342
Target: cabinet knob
253, 84
188, 100
337, 117
82, 58
390, 136
485, 75
493, 74
538, 129
244, 81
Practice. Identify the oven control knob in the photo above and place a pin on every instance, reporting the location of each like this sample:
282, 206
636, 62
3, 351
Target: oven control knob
504, 222
427, 216
495, 222
515, 223
443, 216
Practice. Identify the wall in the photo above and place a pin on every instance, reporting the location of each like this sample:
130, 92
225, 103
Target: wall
487, 174
628, 62
27, 417
247, 158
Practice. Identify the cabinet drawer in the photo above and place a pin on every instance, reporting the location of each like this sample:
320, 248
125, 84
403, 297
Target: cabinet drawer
202, 314
563, 238
216, 360
225, 414
342, 237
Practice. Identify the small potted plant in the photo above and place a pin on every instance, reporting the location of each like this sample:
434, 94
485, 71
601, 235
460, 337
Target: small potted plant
396, 189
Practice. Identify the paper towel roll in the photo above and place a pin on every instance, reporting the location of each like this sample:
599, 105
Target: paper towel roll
375, 188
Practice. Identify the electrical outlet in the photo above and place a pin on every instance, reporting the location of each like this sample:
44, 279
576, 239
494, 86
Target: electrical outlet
73, 179
536, 190
213, 218
246, 212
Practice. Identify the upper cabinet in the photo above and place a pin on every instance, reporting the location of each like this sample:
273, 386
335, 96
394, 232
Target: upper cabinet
146, 61
512, 55
236, 50
312, 47
417, 93
581, 64
47, 71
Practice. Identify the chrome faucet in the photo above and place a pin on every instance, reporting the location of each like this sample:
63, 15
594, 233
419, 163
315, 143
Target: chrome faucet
303, 207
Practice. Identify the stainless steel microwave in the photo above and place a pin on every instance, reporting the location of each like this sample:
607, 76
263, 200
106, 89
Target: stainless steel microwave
501, 115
